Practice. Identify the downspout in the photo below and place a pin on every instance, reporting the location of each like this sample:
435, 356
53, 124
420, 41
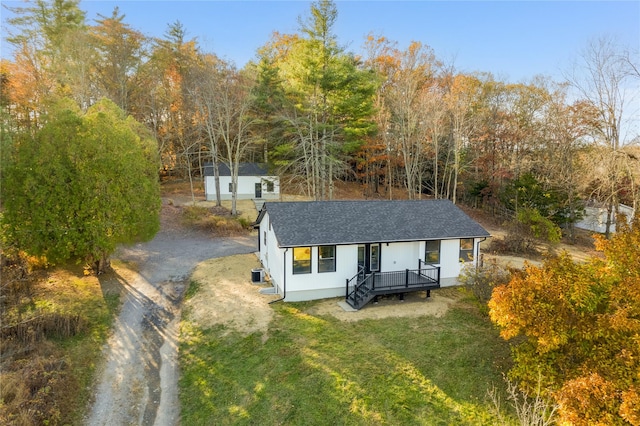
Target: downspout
480, 262
284, 279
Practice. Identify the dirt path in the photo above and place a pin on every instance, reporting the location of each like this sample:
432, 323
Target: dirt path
137, 382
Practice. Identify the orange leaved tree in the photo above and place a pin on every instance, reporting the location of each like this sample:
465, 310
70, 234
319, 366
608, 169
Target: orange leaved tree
578, 326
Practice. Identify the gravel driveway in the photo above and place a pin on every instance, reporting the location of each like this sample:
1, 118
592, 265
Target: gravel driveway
137, 380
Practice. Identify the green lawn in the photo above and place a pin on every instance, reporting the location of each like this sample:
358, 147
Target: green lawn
317, 370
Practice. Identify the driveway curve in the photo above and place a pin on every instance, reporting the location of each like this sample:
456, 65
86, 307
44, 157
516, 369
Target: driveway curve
138, 379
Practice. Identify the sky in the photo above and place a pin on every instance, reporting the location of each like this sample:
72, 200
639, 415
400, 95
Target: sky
514, 40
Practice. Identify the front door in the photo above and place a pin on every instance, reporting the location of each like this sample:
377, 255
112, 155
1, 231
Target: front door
259, 190
369, 257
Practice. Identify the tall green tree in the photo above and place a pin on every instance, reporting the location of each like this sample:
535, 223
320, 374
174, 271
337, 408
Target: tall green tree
81, 185
329, 100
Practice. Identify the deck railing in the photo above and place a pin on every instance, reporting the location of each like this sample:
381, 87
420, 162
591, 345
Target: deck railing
428, 270
363, 286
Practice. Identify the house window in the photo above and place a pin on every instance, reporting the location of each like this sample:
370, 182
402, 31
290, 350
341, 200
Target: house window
269, 186
327, 259
302, 260
230, 186
432, 252
374, 257
466, 249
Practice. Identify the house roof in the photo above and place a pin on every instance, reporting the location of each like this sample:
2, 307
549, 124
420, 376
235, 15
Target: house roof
353, 222
244, 169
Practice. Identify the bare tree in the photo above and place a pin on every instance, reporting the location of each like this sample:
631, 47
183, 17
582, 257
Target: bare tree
600, 77
407, 100
205, 82
233, 122
460, 99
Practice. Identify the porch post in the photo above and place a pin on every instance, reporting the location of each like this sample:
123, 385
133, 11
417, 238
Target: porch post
406, 278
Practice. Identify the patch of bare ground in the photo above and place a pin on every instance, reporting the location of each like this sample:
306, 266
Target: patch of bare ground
227, 297
414, 305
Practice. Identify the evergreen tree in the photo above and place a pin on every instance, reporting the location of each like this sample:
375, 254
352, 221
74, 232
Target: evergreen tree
81, 185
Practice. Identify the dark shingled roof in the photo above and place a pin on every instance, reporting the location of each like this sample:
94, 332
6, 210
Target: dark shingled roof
350, 222
244, 169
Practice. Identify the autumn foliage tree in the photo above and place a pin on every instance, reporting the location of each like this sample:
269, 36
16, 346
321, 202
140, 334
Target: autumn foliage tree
580, 329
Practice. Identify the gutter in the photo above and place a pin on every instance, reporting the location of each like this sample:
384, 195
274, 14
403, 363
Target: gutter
284, 278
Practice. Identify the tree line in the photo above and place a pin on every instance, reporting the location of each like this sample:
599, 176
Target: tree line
91, 113
387, 118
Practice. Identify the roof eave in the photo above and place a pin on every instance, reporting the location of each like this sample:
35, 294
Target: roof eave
347, 243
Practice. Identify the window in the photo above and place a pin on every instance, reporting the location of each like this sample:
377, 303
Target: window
374, 257
432, 252
269, 186
230, 186
361, 257
327, 259
466, 249
302, 260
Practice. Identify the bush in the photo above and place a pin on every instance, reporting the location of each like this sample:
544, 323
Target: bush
525, 233
204, 219
531, 410
483, 279
538, 226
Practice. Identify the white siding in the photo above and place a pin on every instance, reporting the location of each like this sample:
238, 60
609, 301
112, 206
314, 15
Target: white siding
595, 218
322, 285
271, 256
393, 257
450, 264
400, 256
246, 187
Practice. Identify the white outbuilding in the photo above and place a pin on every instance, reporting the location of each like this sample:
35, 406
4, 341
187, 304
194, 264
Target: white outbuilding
254, 182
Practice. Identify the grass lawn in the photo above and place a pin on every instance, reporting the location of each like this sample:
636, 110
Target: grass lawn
317, 370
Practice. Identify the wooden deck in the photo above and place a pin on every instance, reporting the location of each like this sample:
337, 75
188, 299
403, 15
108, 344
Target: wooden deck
368, 287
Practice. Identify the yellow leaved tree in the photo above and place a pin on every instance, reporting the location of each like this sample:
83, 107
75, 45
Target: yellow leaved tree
578, 327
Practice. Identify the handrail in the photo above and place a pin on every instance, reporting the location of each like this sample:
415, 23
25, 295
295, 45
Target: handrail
361, 287
356, 277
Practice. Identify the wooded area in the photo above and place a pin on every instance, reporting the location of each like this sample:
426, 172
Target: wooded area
315, 112
92, 112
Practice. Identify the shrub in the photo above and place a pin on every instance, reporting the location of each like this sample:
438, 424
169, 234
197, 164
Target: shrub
204, 219
525, 233
538, 226
531, 410
483, 279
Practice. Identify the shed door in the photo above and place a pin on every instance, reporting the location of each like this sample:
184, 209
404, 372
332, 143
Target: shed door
258, 190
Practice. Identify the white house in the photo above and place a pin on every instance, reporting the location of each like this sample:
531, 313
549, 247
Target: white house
595, 217
361, 249
253, 182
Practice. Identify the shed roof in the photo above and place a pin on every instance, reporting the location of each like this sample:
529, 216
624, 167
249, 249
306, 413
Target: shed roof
353, 222
244, 169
